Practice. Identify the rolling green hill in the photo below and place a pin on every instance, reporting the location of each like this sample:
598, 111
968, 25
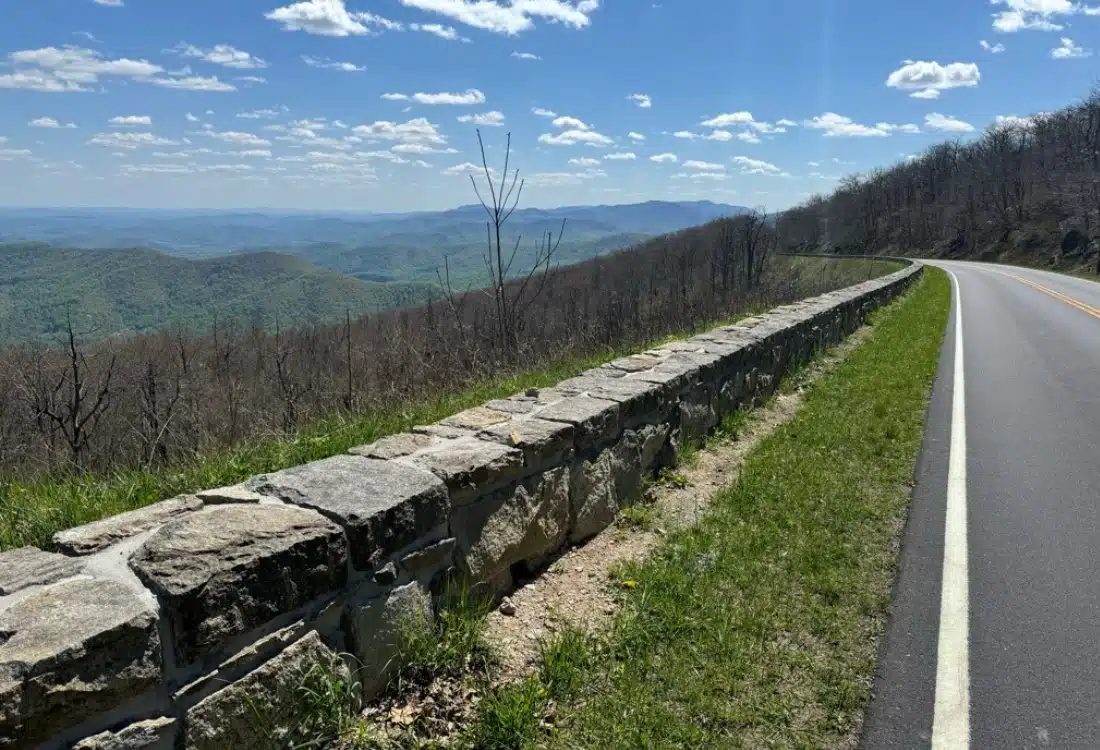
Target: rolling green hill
139, 290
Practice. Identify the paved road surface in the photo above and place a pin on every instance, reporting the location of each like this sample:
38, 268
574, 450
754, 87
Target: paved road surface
1020, 631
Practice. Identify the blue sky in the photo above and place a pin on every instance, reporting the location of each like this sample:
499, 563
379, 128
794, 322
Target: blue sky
373, 104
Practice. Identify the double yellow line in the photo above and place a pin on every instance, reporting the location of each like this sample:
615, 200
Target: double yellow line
1094, 312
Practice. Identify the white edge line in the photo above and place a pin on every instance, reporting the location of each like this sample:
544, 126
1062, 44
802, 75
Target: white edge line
951, 720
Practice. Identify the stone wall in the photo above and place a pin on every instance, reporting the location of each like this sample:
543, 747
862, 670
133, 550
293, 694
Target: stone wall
189, 623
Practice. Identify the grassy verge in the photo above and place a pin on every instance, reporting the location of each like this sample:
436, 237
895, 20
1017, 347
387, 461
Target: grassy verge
31, 511
758, 626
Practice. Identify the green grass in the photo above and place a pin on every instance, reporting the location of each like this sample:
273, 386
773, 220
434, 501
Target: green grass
32, 510
757, 627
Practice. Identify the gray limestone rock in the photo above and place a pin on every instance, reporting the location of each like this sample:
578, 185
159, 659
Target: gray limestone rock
524, 523
155, 734
29, 566
70, 651
594, 498
382, 505
477, 418
393, 446
265, 708
468, 467
94, 537
238, 493
430, 558
376, 628
233, 568
543, 443
596, 420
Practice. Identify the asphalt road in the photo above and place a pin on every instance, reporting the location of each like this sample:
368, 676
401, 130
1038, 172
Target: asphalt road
1026, 643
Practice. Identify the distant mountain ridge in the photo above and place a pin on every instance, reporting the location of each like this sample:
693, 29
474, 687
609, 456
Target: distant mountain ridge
140, 271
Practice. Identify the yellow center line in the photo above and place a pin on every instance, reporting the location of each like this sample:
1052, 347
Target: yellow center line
1094, 312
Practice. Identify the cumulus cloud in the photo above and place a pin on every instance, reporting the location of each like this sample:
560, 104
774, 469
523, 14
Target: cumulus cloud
574, 131
946, 124
414, 133
726, 120
1036, 15
543, 112
468, 97
321, 17
469, 168
636, 137
525, 56
224, 55
109, 3
259, 114
512, 17
443, 32
923, 77
47, 122
585, 161
756, 166
835, 125
190, 117
1013, 122
704, 166
492, 119
664, 158
1068, 50
130, 121
621, 156
995, 49
192, 83
69, 69
642, 100
237, 138
130, 141
328, 64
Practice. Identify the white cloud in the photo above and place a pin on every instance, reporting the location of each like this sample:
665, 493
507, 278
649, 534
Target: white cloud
756, 166
686, 134
324, 62
995, 49
48, 122
54, 70
621, 156
924, 77
251, 79
664, 158
701, 176
746, 135
468, 97
237, 138
1018, 123
813, 164
1036, 15
513, 18
585, 161
543, 112
259, 114
130, 141
570, 122
643, 100
835, 125
726, 120
192, 83
191, 118
469, 168
109, 3
525, 56
443, 32
787, 123
224, 55
1068, 49
704, 166
130, 121
636, 137
556, 179
418, 131
420, 148
946, 124
573, 137
492, 119
257, 153
322, 17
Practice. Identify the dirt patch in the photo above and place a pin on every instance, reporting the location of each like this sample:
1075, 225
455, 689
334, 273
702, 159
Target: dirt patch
575, 590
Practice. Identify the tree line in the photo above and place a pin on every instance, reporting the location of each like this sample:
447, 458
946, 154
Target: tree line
1028, 188
160, 399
